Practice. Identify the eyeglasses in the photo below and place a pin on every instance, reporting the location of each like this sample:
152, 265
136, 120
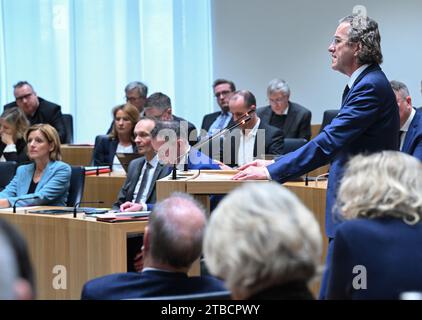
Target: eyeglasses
278, 100
336, 41
222, 94
131, 99
26, 96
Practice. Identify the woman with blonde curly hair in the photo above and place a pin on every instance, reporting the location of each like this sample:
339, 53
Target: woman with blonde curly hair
377, 250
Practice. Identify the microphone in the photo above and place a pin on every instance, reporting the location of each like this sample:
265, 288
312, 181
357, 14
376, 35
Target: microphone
241, 121
17, 200
84, 202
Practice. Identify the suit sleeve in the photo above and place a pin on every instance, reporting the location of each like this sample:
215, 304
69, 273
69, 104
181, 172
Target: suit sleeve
100, 151
418, 150
360, 112
124, 195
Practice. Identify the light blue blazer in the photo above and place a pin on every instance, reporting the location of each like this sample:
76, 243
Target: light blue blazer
52, 189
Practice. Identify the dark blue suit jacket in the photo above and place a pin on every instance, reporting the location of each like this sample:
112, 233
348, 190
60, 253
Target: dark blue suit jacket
151, 283
413, 141
368, 122
388, 248
105, 150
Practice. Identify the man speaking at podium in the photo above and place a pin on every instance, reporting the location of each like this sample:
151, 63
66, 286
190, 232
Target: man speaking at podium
368, 120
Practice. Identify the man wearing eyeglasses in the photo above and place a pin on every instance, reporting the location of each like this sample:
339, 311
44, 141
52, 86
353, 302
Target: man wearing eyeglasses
37, 109
158, 106
136, 94
292, 118
216, 121
368, 120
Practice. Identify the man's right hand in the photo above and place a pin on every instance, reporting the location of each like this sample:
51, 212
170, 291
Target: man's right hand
256, 163
131, 206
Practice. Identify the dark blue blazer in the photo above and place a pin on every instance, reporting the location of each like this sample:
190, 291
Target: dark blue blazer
388, 248
368, 122
105, 150
151, 283
413, 141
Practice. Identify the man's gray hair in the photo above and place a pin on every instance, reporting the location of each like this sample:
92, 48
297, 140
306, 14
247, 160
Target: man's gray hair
364, 30
401, 88
142, 88
278, 85
259, 236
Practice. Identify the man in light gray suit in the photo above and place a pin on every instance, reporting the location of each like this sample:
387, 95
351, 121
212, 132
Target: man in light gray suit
292, 118
138, 191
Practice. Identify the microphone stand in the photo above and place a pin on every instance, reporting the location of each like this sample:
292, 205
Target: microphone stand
242, 120
84, 202
17, 200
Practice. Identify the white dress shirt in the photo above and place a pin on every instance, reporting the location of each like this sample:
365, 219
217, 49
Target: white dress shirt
154, 164
247, 144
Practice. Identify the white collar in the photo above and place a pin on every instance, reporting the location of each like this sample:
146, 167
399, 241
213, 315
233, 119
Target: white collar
253, 131
409, 120
356, 74
153, 162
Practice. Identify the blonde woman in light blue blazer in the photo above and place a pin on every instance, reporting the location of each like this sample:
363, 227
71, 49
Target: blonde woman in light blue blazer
46, 180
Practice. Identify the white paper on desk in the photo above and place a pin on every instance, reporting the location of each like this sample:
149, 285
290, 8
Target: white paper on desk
122, 214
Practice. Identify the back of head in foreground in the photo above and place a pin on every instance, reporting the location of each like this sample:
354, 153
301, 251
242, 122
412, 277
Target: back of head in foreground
397, 192
173, 240
261, 237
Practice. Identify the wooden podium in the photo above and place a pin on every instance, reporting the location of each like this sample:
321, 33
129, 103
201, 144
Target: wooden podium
201, 184
73, 249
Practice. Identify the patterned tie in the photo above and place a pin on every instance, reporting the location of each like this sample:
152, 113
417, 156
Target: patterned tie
143, 182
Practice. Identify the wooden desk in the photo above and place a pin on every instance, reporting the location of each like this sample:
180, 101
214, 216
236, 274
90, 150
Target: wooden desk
214, 182
104, 187
77, 155
83, 249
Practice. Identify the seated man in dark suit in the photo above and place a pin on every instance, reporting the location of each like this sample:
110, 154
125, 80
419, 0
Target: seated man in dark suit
173, 148
213, 122
158, 106
292, 118
36, 109
252, 139
172, 242
138, 191
410, 121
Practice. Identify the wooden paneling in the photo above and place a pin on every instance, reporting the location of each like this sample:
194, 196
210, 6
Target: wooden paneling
78, 155
85, 248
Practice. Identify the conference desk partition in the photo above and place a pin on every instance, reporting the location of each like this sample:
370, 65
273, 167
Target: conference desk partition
77, 154
66, 251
